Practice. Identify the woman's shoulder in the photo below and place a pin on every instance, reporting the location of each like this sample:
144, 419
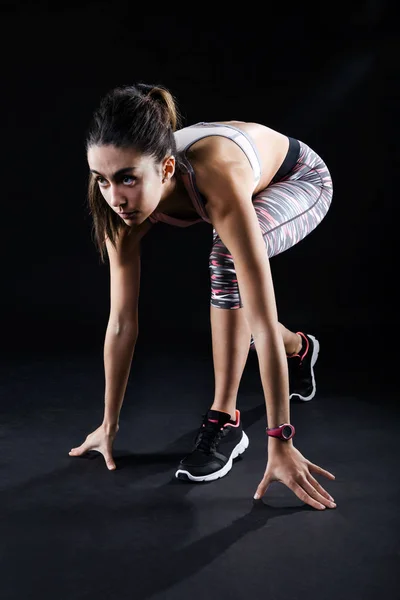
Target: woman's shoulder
222, 154
218, 158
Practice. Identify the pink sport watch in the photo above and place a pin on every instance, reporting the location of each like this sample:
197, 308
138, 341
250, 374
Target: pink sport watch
283, 432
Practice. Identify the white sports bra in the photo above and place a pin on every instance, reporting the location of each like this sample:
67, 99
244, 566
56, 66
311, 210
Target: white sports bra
185, 138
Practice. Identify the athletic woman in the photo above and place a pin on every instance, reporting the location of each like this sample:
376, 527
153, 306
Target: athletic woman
262, 192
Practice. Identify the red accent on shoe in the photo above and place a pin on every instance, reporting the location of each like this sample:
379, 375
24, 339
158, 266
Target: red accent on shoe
237, 421
307, 344
298, 354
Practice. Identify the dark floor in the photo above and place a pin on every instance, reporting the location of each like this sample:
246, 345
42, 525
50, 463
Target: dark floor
71, 529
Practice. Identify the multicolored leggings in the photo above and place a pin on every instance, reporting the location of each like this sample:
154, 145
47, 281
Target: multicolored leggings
287, 211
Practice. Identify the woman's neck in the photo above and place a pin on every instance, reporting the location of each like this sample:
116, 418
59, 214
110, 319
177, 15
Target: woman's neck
176, 200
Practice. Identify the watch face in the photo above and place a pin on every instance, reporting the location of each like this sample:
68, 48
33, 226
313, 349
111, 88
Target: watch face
286, 432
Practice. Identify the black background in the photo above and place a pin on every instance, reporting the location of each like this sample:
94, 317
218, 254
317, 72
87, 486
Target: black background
327, 76
326, 73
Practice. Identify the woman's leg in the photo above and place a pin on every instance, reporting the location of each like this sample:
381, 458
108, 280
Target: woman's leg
230, 345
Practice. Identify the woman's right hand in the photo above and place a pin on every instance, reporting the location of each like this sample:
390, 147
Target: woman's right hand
101, 440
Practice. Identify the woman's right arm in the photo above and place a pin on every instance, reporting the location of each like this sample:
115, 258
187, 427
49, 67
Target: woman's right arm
123, 327
121, 335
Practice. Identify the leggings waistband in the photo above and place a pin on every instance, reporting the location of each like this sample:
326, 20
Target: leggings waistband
289, 161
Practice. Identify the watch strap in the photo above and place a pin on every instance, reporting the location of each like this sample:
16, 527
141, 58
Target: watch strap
278, 431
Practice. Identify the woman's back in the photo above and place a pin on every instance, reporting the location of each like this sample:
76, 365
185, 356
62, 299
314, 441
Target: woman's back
270, 146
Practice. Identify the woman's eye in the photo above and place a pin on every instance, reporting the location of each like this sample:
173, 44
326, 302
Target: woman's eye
129, 177
101, 181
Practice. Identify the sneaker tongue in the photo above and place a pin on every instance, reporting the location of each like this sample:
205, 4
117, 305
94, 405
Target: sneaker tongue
218, 417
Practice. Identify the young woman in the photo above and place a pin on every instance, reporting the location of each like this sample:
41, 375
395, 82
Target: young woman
262, 192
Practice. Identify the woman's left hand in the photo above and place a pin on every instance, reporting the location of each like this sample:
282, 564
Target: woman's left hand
287, 465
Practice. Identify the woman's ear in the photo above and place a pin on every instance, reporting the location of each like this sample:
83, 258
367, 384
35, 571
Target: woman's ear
168, 168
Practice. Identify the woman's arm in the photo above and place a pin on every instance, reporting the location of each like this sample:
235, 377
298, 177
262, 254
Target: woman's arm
228, 188
233, 216
118, 353
121, 336
123, 324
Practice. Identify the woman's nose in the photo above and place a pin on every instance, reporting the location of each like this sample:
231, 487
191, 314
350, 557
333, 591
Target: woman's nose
116, 198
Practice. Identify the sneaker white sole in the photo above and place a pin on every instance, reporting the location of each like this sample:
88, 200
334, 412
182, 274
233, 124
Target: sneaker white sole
313, 361
239, 449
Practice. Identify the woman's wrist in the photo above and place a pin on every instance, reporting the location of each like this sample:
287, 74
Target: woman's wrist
278, 445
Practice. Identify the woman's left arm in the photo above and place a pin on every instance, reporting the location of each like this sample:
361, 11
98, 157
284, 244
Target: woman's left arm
231, 211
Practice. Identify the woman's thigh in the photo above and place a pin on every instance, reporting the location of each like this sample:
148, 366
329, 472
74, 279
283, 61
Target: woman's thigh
287, 212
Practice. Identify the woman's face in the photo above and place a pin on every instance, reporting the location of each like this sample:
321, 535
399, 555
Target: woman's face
129, 181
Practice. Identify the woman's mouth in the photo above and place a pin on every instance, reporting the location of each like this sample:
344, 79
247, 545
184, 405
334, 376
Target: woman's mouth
130, 215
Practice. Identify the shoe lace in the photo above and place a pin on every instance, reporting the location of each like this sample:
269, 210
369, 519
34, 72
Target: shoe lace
208, 437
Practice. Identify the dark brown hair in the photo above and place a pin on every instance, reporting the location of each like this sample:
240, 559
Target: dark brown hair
138, 116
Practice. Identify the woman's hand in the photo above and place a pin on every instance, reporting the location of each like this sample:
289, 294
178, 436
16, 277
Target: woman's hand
287, 465
102, 440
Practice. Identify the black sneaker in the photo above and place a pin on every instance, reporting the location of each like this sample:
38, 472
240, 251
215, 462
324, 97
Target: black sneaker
218, 442
301, 369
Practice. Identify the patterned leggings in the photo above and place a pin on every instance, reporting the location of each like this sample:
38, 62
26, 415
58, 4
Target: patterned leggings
287, 211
